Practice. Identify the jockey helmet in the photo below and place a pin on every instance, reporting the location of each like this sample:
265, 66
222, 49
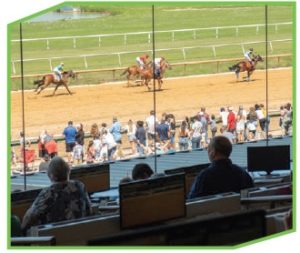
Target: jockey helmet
251, 49
62, 63
146, 55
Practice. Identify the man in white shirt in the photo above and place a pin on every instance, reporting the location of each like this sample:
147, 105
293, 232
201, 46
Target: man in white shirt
150, 128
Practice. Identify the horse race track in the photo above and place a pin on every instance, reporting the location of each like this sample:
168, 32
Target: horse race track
181, 96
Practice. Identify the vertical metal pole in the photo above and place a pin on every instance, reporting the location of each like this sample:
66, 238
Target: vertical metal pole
267, 88
154, 88
23, 106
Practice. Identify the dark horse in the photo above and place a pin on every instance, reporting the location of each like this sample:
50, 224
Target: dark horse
246, 66
51, 78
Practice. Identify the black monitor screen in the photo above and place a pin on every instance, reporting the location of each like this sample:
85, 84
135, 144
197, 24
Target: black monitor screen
268, 158
152, 200
95, 176
190, 173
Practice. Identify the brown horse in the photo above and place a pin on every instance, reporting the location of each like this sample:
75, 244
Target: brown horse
147, 75
134, 72
51, 79
246, 66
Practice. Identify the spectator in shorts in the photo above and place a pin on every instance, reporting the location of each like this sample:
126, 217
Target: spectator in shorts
163, 133
131, 129
183, 136
78, 153
90, 152
70, 138
151, 121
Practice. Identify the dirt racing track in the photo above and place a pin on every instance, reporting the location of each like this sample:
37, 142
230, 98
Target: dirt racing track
180, 96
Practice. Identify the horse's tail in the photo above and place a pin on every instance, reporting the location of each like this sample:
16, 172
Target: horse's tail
125, 71
232, 68
39, 82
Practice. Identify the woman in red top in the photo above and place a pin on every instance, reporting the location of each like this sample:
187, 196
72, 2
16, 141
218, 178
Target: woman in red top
231, 120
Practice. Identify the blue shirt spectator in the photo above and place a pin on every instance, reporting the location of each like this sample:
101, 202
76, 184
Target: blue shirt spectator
115, 130
163, 131
70, 133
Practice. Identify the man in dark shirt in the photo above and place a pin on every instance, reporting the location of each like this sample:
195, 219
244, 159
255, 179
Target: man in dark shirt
222, 175
70, 137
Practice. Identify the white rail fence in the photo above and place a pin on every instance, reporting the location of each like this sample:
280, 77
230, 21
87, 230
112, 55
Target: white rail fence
148, 34
183, 64
182, 50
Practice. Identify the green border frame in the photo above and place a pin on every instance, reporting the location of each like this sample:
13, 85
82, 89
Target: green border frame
149, 3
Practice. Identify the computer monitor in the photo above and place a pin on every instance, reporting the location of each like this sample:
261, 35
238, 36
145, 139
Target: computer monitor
21, 201
190, 173
231, 229
151, 201
94, 176
268, 158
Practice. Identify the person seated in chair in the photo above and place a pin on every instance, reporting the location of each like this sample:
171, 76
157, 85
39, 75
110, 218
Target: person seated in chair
142, 61
64, 199
222, 175
248, 56
58, 70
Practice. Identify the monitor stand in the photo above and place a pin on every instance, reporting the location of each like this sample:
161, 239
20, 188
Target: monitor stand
269, 174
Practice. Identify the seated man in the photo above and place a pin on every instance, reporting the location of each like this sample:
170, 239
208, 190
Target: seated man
222, 175
64, 199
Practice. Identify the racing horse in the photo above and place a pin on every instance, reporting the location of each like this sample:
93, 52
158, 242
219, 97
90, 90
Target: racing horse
147, 75
52, 79
246, 66
134, 71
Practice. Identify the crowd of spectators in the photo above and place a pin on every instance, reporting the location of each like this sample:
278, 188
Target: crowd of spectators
160, 134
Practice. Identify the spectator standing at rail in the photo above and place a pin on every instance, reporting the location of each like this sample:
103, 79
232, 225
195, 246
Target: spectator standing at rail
80, 136
78, 153
109, 142
131, 129
140, 135
231, 121
223, 115
213, 126
204, 129
240, 125
151, 121
90, 152
183, 141
142, 61
97, 147
70, 138
222, 175
251, 123
163, 134
63, 200
115, 130
287, 121
261, 119
51, 147
172, 129
195, 133
94, 130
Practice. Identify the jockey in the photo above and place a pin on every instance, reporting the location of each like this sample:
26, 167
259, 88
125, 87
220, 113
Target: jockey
248, 55
142, 60
58, 70
157, 62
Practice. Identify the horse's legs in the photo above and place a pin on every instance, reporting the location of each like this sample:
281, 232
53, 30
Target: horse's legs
66, 86
237, 73
55, 89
